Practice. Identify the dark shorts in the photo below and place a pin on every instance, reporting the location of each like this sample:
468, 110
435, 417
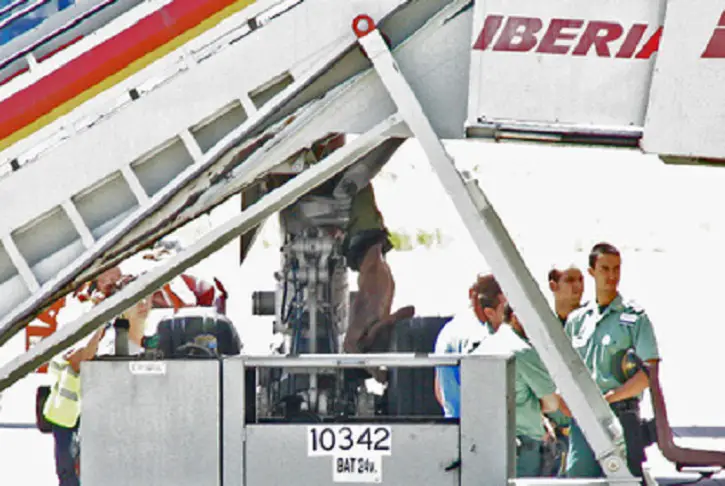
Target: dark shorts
357, 245
366, 226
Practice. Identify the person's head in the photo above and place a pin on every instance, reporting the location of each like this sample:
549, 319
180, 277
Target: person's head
566, 282
488, 300
107, 282
605, 266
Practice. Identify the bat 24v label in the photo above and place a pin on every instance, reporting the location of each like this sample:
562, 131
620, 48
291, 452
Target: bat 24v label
357, 450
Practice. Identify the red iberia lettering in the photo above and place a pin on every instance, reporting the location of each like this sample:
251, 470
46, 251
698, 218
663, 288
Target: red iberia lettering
716, 47
518, 34
566, 36
651, 46
599, 35
555, 33
634, 36
490, 28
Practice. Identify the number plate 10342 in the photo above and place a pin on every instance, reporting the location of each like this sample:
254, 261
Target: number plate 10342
335, 440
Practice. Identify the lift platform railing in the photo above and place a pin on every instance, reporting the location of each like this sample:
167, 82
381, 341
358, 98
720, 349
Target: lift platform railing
399, 360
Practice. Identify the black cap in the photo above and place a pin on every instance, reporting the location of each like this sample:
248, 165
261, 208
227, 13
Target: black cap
121, 323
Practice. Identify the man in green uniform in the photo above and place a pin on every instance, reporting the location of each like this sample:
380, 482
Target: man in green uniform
566, 283
534, 393
602, 332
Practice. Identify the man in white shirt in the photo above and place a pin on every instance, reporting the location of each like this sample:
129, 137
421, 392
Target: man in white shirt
463, 334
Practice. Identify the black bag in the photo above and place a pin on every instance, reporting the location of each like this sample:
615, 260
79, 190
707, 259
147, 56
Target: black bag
649, 432
41, 396
178, 331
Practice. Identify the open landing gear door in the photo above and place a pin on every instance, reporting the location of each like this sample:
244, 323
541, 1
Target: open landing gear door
563, 70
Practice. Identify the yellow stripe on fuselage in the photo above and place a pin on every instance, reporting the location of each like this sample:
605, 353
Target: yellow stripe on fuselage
119, 76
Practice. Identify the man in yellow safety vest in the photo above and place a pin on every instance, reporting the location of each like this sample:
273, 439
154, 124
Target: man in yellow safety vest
63, 408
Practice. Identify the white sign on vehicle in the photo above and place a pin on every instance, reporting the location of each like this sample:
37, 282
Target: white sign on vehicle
147, 367
357, 450
357, 469
563, 62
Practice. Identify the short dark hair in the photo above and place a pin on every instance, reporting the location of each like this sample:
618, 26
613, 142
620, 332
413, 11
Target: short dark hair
559, 268
508, 313
602, 248
487, 291
554, 275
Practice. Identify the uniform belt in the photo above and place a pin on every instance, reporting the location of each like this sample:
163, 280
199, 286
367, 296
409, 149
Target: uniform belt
624, 406
527, 443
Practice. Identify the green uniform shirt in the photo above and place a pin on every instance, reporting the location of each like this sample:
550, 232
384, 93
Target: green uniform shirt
602, 338
364, 213
532, 379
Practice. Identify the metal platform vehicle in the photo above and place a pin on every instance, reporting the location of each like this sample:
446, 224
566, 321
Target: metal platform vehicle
173, 107
216, 439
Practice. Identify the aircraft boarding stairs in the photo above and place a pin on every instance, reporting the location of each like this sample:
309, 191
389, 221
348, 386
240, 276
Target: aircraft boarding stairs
91, 178
111, 185
232, 105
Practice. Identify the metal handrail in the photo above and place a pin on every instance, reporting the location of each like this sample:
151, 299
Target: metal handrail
57, 32
22, 13
261, 17
396, 360
10, 7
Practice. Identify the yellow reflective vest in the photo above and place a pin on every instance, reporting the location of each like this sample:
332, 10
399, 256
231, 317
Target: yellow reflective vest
63, 406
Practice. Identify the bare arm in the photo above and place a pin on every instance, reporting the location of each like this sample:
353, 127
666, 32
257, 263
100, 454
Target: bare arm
550, 403
437, 390
549, 429
86, 353
630, 388
563, 406
137, 327
137, 316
